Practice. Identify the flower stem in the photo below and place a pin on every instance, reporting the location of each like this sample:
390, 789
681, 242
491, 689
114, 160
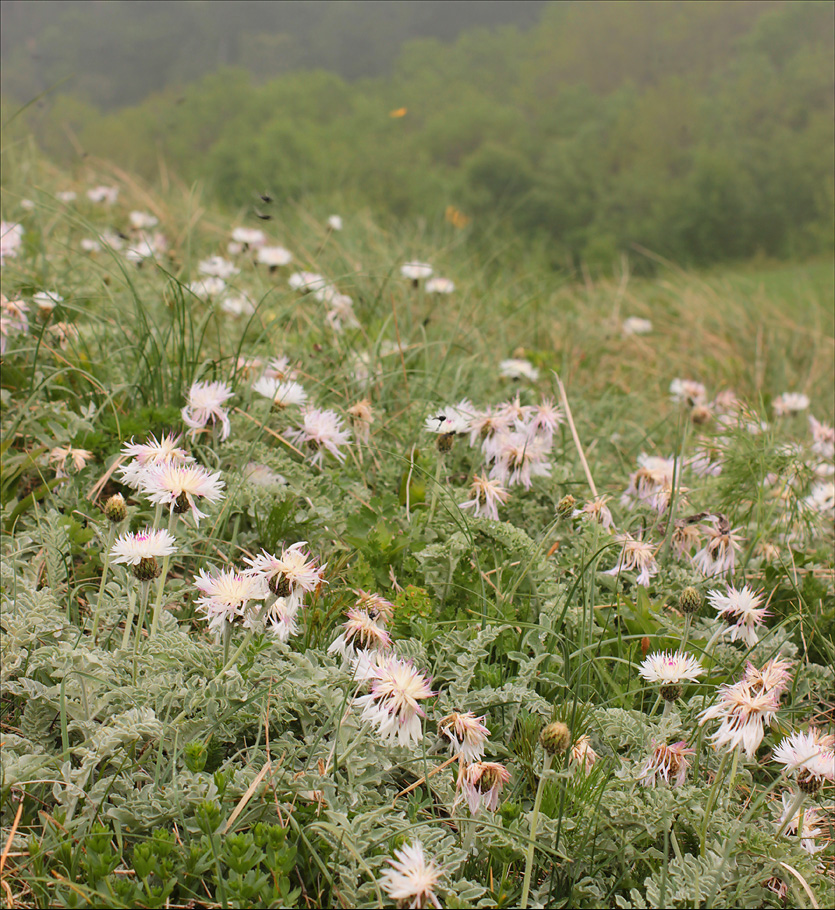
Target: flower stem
678, 466
129, 618
732, 777
163, 575
111, 533
144, 591
710, 801
686, 633
526, 883
435, 489
799, 797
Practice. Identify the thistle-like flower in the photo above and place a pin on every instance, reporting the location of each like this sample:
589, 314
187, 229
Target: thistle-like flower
481, 784
205, 404
131, 548
377, 607
282, 394
810, 756
517, 458
77, 458
487, 495
636, 555
671, 670
743, 610
810, 821
226, 595
292, 574
360, 632
322, 431
596, 510
582, 756
466, 734
149, 453
518, 368
668, 763
412, 879
790, 403
181, 486
393, 703
744, 712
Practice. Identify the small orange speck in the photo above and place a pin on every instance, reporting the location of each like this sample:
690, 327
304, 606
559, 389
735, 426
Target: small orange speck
399, 112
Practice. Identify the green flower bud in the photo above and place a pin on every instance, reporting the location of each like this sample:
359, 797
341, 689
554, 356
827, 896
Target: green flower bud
690, 601
565, 507
115, 509
555, 738
147, 569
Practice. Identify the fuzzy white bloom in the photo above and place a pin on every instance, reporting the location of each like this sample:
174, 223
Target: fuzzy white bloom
281, 394
341, 314
450, 420
481, 784
61, 455
439, 285
248, 237
718, 556
46, 301
596, 510
486, 495
544, 420
485, 425
226, 595
113, 240
670, 668
63, 333
292, 574
688, 391
377, 607
335, 223
279, 368
415, 271
517, 368
808, 754
66, 196
306, 281
27, 205
274, 257
11, 237
105, 194
582, 756
262, 475
205, 404
412, 879
790, 403
517, 458
821, 499
635, 325
393, 705
810, 822
823, 438
218, 267
466, 734
142, 221
668, 763
322, 431
131, 548
654, 475
89, 245
360, 632
636, 555
282, 622
151, 452
237, 305
743, 608
146, 247
206, 288
181, 486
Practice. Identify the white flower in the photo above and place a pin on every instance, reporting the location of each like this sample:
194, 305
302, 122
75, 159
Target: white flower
466, 734
130, 549
262, 475
281, 394
744, 710
718, 556
746, 606
518, 369
821, 499
66, 196
582, 755
481, 784
63, 333
204, 404
282, 622
670, 668
113, 240
206, 288
377, 607
321, 431
274, 257
248, 237
667, 762
146, 247
237, 305
218, 267
290, 575
597, 510
77, 458
46, 301
635, 325
790, 403
306, 281
89, 245
27, 205
360, 632
637, 555
142, 221
823, 438
517, 458
279, 368
341, 314
688, 391
486, 496
335, 223
393, 703
654, 475
415, 271
179, 486
439, 285
810, 822
11, 237
808, 754
106, 194
226, 594
412, 878
450, 420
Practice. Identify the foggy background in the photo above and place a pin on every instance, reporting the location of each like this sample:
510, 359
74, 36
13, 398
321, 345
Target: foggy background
699, 129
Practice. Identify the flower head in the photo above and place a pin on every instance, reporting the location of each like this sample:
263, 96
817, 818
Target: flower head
204, 404
218, 267
668, 763
274, 257
149, 453
596, 510
743, 609
718, 556
638, 555
517, 368
670, 668
744, 712
131, 548
142, 221
292, 574
181, 486
393, 703
360, 631
77, 458
810, 755
486, 495
226, 594
335, 223
582, 756
412, 878
322, 431
810, 821
11, 238
439, 285
518, 459
105, 194
481, 784
283, 394
790, 403
377, 607
247, 237
415, 271
466, 734
635, 325
688, 391
362, 416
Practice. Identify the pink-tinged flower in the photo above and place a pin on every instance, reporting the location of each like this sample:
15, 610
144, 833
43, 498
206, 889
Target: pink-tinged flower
322, 431
823, 438
518, 459
11, 237
146, 247
668, 763
810, 755
653, 475
821, 499
481, 784
142, 221
518, 368
685, 537
718, 556
688, 391
774, 676
205, 404
362, 416
744, 711
237, 305
439, 286
218, 267
635, 325
279, 368
77, 458
596, 510
14, 312
743, 609
669, 668
282, 620
487, 495
105, 194
810, 821
393, 703
514, 414
636, 555
466, 734
359, 632
377, 607
415, 271
292, 575
63, 333
226, 595
582, 756
451, 420
274, 257
484, 425
248, 237
790, 403
306, 281
282, 394
151, 452
412, 878
545, 418
207, 288
341, 314
181, 486
131, 548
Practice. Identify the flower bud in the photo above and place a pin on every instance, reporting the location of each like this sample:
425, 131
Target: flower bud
147, 569
555, 738
700, 415
809, 783
565, 507
689, 601
670, 692
445, 441
115, 509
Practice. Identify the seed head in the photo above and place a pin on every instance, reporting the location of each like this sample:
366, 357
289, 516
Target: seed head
565, 507
555, 738
690, 601
115, 509
147, 569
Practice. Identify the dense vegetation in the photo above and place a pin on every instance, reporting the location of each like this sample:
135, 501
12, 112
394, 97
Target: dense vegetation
701, 131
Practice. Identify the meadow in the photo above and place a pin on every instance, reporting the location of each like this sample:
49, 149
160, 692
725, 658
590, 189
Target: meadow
351, 565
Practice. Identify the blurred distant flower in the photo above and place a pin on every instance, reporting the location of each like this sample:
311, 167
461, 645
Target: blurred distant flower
237, 305
518, 459
206, 288
146, 247
105, 194
11, 237
217, 266
486, 496
262, 475
335, 223
279, 368
88, 245
821, 499
274, 257
455, 217
77, 458
66, 196
282, 394
306, 281
688, 391
63, 333
823, 438
439, 286
518, 369
341, 314
635, 325
27, 205
362, 416
248, 237
46, 301
142, 221
205, 404
790, 403
416, 271
321, 431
